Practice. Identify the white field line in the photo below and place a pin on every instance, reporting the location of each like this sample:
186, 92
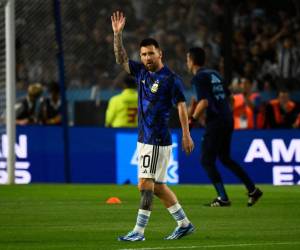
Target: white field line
216, 246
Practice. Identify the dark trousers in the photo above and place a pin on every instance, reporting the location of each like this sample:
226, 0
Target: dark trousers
216, 145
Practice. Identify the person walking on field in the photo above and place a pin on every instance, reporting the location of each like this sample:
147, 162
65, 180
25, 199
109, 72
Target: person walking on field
214, 99
158, 90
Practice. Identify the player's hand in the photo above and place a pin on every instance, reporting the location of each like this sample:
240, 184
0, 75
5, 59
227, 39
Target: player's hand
118, 21
187, 144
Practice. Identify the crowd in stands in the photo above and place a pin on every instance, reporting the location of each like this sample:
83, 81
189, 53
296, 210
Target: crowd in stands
251, 112
265, 45
266, 39
38, 107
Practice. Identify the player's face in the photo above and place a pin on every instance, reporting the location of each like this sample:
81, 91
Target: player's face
189, 62
151, 57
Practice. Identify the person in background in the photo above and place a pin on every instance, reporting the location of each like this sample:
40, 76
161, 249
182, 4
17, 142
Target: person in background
122, 110
246, 107
26, 109
288, 57
214, 99
50, 108
281, 112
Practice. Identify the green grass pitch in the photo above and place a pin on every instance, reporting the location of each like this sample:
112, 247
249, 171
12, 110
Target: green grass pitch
77, 217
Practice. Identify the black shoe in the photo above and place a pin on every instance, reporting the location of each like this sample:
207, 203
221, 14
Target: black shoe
254, 197
218, 202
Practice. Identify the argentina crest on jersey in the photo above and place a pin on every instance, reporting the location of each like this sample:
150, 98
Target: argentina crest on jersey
154, 87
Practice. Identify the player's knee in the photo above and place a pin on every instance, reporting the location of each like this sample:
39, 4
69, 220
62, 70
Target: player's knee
159, 189
146, 199
225, 160
145, 184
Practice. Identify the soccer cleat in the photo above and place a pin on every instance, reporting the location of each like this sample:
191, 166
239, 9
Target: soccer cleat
254, 197
180, 232
218, 202
132, 236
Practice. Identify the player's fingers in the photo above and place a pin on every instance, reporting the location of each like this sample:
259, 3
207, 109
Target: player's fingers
191, 147
114, 16
119, 14
187, 150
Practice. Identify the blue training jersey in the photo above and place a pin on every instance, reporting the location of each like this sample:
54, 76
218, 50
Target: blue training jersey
158, 92
210, 85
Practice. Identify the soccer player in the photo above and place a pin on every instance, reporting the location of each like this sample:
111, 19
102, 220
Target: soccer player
122, 108
158, 89
213, 97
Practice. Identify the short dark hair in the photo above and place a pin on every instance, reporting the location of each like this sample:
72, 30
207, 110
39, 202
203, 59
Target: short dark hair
149, 41
283, 89
197, 54
130, 82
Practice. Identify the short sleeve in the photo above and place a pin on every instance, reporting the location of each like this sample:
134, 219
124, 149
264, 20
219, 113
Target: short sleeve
177, 91
135, 67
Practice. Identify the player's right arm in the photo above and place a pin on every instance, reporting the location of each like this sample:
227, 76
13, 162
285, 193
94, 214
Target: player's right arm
118, 22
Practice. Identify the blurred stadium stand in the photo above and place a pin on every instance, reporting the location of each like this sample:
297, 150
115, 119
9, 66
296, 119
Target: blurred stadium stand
95, 115
259, 31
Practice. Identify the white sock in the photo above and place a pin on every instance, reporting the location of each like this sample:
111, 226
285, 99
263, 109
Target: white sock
178, 214
142, 220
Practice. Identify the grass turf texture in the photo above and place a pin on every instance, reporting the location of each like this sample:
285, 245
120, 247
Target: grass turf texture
77, 217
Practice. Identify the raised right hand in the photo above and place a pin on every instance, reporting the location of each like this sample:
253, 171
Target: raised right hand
118, 21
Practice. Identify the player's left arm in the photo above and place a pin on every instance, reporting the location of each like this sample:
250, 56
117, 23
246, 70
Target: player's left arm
178, 99
187, 142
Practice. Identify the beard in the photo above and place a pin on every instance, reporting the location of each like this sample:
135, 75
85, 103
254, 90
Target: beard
151, 66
